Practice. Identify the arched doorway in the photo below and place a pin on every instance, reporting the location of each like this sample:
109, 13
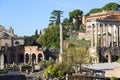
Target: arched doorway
21, 58
27, 58
33, 58
12, 58
39, 57
5, 58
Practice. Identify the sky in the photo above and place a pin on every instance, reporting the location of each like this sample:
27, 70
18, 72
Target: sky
25, 16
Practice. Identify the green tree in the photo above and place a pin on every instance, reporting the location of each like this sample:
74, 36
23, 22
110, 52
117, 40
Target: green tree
29, 40
66, 22
50, 38
45, 63
55, 16
111, 6
36, 34
74, 57
76, 14
112, 78
95, 10
54, 71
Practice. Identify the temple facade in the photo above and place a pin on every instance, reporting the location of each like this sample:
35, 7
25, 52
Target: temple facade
103, 29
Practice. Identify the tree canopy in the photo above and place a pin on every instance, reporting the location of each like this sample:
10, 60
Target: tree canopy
55, 16
95, 10
75, 56
111, 6
108, 6
50, 38
75, 17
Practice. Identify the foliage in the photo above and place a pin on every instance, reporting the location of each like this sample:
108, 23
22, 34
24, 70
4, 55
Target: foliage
54, 71
75, 14
47, 71
66, 22
95, 10
74, 56
108, 6
111, 6
45, 63
55, 16
82, 28
31, 40
50, 38
113, 78
77, 42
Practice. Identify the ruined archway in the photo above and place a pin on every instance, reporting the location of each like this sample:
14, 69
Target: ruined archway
12, 58
39, 57
33, 58
27, 58
5, 58
21, 58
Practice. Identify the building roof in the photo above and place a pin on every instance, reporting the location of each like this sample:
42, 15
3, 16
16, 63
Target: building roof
102, 66
105, 15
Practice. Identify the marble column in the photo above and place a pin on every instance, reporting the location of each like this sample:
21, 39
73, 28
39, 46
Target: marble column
2, 61
112, 35
36, 59
106, 27
24, 59
101, 34
61, 42
30, 58
92, 35
117, 35
96, 35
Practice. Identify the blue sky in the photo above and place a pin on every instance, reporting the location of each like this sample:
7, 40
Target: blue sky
25, 16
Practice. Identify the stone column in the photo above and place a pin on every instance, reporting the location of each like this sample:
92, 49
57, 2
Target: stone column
106, 26
61, 43
30, 58
36, 59
96, 34
112, 35
117, 35
109, 58
24, 59
92, 35
2, 61
101, 34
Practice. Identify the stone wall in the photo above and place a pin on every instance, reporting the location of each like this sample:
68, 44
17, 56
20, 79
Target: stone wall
115, 72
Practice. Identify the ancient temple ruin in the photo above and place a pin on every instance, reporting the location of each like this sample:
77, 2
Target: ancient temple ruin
7, 40
103, 29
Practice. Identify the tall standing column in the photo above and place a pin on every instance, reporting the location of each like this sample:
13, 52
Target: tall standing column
2, 61
101, 34
96, 34
117, 35
106, 26
112, 35
24, 59
29, 58
92, 35
61, 43
37, 59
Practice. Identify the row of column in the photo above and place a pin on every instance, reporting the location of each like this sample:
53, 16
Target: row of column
102, 31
